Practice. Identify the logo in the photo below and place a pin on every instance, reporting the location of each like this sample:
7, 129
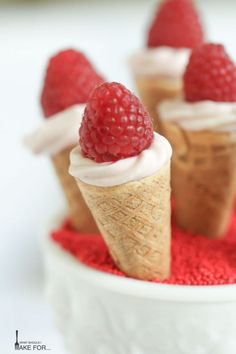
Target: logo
29, 345
17, 343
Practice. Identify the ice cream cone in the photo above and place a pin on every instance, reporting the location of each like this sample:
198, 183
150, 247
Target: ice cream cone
153, 90
134, 219
203, 178
80, 216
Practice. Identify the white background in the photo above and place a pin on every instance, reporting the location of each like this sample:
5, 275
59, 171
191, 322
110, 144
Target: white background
29, 192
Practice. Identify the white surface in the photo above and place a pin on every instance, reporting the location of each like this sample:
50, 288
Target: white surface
28, 189
113, 310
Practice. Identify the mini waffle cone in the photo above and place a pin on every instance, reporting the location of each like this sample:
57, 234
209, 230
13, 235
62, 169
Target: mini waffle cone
80, 216
153, 90
134, 219
203, 179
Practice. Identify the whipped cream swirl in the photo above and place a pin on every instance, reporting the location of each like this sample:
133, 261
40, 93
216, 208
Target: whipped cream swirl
165, 61
202, 115
57, 132
108, 174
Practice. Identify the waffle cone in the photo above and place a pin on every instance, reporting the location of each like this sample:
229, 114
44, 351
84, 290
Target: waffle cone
80, 216
153, 90
134, 219
203, 179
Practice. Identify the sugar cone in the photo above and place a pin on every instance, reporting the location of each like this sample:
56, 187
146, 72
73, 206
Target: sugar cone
203, 178
80, 216
134, 219
153, 90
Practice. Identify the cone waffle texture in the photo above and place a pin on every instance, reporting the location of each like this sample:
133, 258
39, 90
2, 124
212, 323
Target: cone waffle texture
153, 90
203, 179
134, 219
80, 216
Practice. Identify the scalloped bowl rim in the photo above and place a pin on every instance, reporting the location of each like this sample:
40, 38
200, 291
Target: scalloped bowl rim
133, 287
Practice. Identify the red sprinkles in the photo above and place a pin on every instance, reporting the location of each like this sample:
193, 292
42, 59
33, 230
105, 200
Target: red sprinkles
195, 260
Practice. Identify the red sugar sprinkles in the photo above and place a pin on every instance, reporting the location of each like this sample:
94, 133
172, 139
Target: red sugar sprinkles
196, 260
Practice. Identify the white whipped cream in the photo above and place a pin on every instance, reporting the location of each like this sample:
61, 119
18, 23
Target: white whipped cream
163, 60
200, 115
108, 174
56, 132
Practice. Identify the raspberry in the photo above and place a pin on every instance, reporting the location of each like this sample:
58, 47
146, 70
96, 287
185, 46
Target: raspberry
177, 25
115, 124
69, 80
210, 75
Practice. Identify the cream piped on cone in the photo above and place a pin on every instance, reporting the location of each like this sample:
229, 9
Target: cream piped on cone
57, 133
69, 80
123, 172
158, 69
202, 130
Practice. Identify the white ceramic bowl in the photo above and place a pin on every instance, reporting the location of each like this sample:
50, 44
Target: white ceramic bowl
100, 313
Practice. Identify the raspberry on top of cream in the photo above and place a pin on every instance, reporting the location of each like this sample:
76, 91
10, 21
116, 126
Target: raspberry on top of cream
210, 75
176, 24
209, 92
69, 80
117, 143
174, 31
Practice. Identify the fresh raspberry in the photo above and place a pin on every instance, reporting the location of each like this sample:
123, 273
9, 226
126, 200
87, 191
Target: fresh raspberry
210, 75
115, 124
69, 79
176, 25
